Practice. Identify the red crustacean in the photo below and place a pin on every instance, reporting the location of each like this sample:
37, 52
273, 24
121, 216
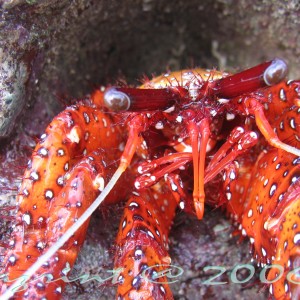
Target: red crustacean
244, 127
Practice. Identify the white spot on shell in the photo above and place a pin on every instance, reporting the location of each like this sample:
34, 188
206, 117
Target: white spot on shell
25, 192
281, 125
66, 269
280, 197
86, 118
60, 152
159, 125
292, 123
296, 238
124, 224
150, 234
134, 281
286, 287
26, 218
49, 194
230, 116
282, 95
162, 289
12, 259
179, 119
174, 187
73, 135
40, 245
66, 166
86, 135
122, 146
232, 175
170, 109
138, 252
43, 152
213, 112
223, 101
294, 179
273, 189
133, 204
60, 180
99, 181
228, 196
34, 176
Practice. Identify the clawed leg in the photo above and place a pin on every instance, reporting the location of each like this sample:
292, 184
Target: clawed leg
174, 160
238, 143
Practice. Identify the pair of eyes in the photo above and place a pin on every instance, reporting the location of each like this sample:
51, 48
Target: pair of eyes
130, 99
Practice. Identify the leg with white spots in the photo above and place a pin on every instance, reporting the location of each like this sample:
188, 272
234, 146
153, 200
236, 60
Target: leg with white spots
265, 206
83, 184
285, 226
142, 245
237, 144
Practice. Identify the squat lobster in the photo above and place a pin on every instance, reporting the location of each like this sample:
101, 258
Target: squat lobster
170, 121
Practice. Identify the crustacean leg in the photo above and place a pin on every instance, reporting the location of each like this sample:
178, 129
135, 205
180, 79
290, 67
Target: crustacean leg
53, 193
264, 200
142, 245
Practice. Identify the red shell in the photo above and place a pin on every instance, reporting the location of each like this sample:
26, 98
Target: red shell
81, 148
